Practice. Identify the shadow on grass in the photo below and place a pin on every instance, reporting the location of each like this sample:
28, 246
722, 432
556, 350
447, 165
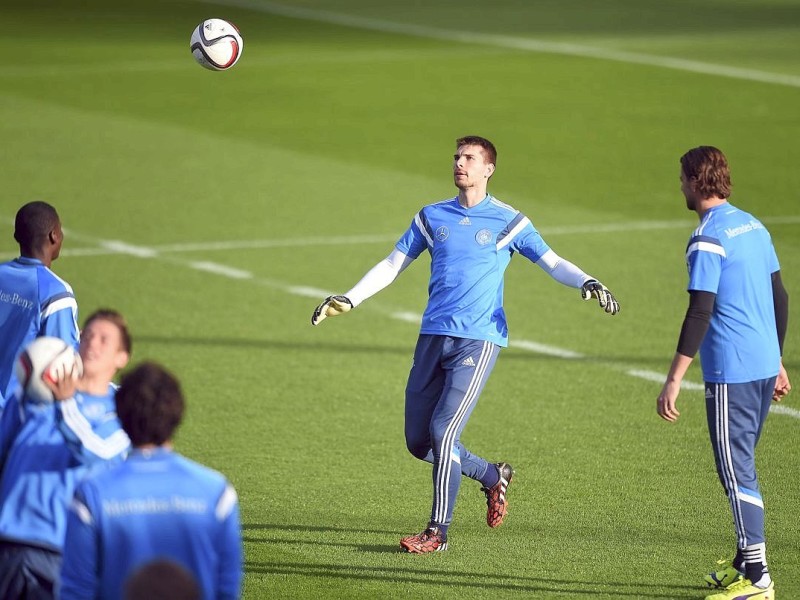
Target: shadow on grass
323, 346
452, 580
425, 571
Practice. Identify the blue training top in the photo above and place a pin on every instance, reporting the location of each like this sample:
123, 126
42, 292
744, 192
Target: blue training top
470, 249
156, 505
34, 302
731, 255
45, 450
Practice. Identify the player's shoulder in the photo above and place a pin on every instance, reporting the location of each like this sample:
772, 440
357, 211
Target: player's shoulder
51, 284
501, 206
439, 205
200, 472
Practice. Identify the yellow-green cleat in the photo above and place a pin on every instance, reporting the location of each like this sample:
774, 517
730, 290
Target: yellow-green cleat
724, 575
744, 590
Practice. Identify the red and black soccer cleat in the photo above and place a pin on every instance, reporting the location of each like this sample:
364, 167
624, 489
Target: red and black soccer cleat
496, 502
430, 540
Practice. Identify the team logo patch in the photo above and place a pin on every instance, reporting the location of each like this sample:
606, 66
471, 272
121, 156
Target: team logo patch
483, 237
442, 233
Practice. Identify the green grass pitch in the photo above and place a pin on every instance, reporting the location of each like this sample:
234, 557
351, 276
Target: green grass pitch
216, 209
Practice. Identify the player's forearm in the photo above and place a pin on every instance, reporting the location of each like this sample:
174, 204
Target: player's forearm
780, 298
677, 370
562, 270
87, 444
379, 277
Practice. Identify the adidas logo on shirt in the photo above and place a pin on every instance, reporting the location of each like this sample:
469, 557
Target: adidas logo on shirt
465, 221
468, 362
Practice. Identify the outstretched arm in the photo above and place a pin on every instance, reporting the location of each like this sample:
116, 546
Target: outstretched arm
569, 274
377, 278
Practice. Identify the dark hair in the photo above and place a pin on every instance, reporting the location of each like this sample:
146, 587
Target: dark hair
149, 404
33, 224
161, 579
706, 169
490, 152
113, 316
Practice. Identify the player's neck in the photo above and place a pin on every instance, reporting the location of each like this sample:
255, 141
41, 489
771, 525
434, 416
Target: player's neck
96, 386
706, 204
471, 196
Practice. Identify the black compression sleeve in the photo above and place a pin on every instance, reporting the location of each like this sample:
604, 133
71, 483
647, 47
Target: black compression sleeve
696, 321
780, 297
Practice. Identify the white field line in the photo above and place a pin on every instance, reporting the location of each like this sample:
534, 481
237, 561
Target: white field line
117, 247
144, 252
511, 42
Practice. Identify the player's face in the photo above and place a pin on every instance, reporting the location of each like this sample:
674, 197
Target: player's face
101, 349
688, 192
470, 168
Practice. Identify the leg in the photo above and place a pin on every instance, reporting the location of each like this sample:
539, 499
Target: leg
426, 381
468, 364
736, 415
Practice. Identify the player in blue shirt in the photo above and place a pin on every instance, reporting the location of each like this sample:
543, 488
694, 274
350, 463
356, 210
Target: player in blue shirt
156, 505
471, 239
34, 301
737, 318
47, 448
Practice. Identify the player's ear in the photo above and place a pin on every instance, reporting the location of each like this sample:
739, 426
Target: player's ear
489, 170
121, 359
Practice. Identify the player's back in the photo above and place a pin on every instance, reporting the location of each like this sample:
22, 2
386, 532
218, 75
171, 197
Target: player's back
28, 292
159, 504
741, 344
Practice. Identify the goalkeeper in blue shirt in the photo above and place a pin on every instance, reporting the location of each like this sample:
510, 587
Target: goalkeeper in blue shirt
471, 239
34, 301
156, 505
47, 448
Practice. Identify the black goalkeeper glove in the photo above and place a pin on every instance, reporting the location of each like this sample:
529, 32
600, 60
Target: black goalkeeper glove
332, 306
595, 289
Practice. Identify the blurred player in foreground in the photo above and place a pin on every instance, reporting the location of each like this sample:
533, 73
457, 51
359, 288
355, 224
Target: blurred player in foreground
47, 448
34, 301
737, 318
470, 239
155, 505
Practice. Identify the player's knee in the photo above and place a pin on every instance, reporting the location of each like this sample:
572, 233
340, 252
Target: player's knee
418, 446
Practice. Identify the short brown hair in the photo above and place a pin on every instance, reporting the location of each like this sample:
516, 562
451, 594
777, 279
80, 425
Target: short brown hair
115, 317
489, 150
150, 404
706, 168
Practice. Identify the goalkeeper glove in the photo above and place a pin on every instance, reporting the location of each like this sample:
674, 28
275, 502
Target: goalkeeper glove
595, 289
332, 306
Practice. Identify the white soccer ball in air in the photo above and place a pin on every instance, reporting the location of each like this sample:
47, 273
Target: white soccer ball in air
216, 44
46, 358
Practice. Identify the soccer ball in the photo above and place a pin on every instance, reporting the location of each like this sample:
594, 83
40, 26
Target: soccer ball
216, 44
45, 359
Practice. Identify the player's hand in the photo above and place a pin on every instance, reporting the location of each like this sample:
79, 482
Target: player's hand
332, 306
64, 384
667, 400
595, 289
782, 385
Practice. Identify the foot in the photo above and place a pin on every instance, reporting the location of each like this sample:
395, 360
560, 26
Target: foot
744, 590
496, 503
430, 540
724, 575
